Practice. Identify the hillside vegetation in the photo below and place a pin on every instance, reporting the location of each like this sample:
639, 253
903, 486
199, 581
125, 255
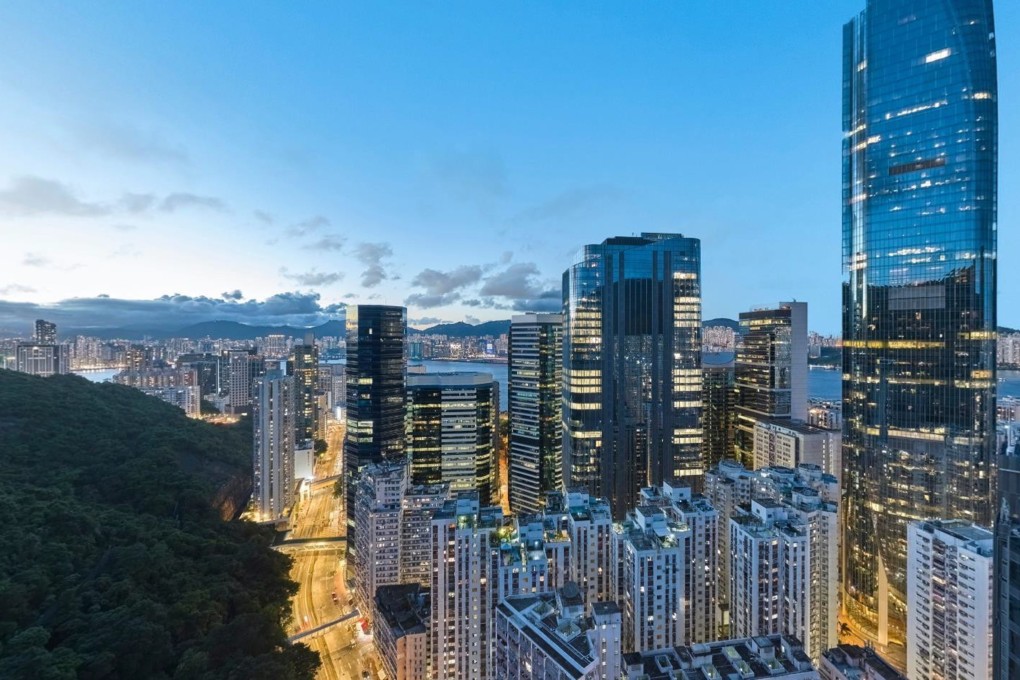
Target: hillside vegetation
116, 562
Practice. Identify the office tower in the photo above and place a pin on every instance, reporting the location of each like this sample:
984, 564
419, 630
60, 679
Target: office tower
686, 509
273, 460
919, 248
949, 600
549, 635
535, 378
45, 332
589, 522
41, 360
400, 630
653, 578
417, 507
451, 431
378, 496
783, 571
632, 365
376, 364
719, 398
463, 579
304, 366
850, 662
771, 657
789, 443
771, 371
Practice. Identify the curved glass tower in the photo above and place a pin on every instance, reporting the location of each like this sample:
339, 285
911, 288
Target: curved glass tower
919, 248
632, 366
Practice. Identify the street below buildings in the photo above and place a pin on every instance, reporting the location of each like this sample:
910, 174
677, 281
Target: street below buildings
318, 569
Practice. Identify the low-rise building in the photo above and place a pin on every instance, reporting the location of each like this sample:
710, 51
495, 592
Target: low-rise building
775, 657
850, 662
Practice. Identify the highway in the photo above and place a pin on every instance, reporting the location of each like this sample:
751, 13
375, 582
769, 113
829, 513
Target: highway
343, 649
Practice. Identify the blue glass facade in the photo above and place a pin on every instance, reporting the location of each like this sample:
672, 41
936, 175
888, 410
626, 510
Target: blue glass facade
919, 249
632, 366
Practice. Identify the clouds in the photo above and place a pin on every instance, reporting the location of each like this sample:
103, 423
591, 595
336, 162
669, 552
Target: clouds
171, 311
442, 288
371, 255
307, 226
128, 143
328, 242
29, 195
35, 260
15, 289
176, 201
313, 277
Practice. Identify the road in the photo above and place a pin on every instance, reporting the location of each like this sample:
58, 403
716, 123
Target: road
345, 651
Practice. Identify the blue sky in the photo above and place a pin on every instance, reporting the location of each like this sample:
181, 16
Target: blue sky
449, 156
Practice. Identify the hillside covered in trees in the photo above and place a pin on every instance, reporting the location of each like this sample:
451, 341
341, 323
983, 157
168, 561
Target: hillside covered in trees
115, 560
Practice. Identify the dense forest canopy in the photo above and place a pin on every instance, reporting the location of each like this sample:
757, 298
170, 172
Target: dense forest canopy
115, 561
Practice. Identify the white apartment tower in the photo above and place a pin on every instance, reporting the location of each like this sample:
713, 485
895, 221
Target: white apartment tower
465, 545
273, 451
379, 493
949, 600
590, 525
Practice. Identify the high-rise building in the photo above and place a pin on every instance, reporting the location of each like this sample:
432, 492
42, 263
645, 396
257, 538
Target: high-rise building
949, 600
400, 630
451, 431
919, 255
273, 459
243, 367
632, 366
188, 398
274, 346
783, 569
549, 635
771, 371
535, 382
378, 497
465, 550
417, 507
653, 578
376, 367
1006, 652
589, 522
45, 332
789, 443
43, 360
304, 366
719, 399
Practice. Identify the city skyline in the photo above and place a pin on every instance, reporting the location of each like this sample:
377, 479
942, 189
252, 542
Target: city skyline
331, 178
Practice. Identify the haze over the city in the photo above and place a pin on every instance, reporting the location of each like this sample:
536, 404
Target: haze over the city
206, 161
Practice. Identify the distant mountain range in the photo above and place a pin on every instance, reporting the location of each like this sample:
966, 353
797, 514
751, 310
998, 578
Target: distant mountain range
466, 330
230, 330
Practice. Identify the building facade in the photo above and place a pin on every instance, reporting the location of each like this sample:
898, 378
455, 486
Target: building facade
304, 366
632, 365
919, 255
376, 368
772, 657
949, 600
719, 400
401, 620
378, 498
273, 451
535, 409
771, 371
451, 431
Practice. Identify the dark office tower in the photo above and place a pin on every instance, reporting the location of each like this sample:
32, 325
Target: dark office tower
304, 366
919, 247
451, 431
771, 371
45, 332
376, 369
718, 398
535, 379
1006, 607
632, 366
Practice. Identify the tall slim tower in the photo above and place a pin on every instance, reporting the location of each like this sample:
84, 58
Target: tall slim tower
536, 411
304, 366
771, 371
376, 368
632, 366
45, 332
919, 246
273, 457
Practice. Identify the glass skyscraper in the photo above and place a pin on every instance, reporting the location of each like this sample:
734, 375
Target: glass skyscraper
632, 366
376, 374
919, 249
